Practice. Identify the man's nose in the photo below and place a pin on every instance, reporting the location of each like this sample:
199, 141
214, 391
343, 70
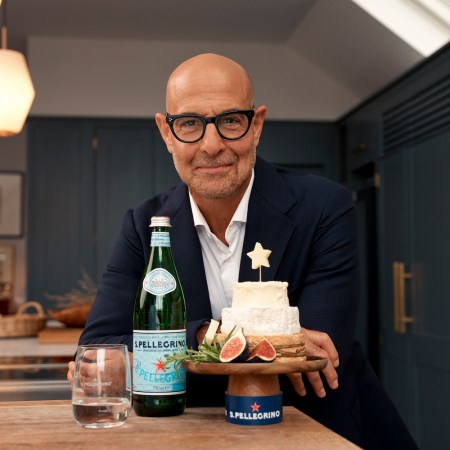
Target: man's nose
212, 142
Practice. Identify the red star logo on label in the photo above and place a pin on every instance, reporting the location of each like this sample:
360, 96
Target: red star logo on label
255, 407
159, 366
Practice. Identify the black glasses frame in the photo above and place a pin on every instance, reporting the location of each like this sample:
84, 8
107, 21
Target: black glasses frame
170, 119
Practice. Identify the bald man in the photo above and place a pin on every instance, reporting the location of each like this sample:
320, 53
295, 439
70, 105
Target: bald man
217, 171
227, 200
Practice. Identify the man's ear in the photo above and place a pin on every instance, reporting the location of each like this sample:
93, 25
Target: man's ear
258, 121
164, 130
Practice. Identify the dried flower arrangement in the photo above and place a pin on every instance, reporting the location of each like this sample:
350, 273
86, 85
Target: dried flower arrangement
74, 306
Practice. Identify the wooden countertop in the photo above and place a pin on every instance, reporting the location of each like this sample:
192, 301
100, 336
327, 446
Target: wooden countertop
54, 340
50, 425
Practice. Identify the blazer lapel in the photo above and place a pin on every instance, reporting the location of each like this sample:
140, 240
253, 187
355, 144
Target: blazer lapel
267, 222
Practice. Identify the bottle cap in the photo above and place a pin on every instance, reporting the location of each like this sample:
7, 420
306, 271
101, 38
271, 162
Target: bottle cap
160, 221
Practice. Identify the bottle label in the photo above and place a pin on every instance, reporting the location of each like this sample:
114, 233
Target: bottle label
151, 375
159, 282
160, 239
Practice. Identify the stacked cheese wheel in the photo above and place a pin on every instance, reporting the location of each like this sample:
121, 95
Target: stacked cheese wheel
261, 310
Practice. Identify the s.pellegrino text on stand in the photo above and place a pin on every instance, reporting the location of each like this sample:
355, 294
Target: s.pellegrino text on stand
159, 329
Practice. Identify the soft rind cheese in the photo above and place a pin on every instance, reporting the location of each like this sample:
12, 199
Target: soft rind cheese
260, 294
264, 321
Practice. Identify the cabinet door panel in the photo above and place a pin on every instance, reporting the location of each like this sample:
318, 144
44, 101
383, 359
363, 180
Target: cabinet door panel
430, 332
125, 178
59, 230
431, 222
394, 238
416, 217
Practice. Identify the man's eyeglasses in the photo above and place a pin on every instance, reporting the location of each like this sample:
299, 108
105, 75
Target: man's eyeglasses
190, 128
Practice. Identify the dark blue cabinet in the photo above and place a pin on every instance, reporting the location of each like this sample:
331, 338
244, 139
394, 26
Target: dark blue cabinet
83, 174
59, 207
399, 144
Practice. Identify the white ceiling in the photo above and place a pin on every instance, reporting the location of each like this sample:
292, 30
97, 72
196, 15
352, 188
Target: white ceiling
335, 36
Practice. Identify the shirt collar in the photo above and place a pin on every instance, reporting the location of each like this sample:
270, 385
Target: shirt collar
240, 215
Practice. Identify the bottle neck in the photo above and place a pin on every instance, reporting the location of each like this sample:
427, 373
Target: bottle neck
160, 237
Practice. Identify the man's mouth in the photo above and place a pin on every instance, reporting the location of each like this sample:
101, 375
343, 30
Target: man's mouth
214, 165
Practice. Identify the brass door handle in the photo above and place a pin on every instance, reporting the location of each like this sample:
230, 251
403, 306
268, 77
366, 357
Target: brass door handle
399, 277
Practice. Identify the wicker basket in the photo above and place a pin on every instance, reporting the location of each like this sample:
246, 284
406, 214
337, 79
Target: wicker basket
21, 324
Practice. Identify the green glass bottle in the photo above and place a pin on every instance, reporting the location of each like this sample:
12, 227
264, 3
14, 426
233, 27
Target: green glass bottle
159, 329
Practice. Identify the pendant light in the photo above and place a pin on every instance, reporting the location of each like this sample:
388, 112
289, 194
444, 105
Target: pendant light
16, 87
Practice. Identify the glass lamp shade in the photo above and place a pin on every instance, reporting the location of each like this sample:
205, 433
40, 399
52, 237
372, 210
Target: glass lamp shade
16, 92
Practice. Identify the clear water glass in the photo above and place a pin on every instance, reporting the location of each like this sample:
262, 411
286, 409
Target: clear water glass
101, 390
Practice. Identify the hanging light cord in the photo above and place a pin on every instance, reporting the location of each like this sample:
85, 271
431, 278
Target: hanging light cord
4, 27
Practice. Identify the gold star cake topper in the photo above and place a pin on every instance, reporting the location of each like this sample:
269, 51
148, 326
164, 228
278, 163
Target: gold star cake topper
259, 257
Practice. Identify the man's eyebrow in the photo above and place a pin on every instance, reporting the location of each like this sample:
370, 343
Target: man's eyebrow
187, 113
192, 113
231, 110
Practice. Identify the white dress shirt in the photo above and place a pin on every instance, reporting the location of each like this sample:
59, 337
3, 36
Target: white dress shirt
222, 262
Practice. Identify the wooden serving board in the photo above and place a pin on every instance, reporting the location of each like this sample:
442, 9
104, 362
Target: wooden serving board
255, 379
312, 363
59, 335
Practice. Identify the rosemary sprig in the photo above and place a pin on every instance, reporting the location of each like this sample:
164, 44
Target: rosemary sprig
206, 353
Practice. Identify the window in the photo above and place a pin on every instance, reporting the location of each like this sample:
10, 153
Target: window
423, 24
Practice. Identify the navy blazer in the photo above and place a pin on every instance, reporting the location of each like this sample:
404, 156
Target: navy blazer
309, 224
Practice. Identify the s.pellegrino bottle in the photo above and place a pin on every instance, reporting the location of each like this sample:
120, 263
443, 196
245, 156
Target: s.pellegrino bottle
159, 329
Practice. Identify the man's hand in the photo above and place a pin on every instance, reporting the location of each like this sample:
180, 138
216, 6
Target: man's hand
318, 344
71, 368
70, 372
201, 332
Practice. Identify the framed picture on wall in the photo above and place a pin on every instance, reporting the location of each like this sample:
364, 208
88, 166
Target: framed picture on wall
11, 204
7, 263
